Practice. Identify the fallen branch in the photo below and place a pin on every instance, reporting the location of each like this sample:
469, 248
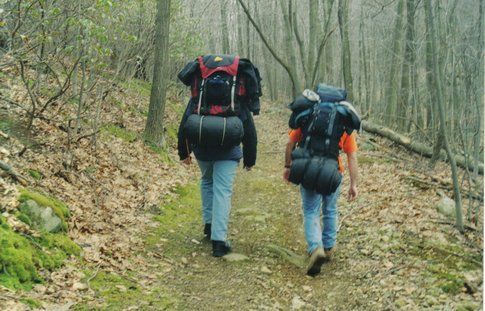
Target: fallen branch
435, 182
10, 171
288, 255
415, 146
4, 135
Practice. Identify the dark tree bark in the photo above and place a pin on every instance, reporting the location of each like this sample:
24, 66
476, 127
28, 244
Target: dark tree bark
154, 126
343, 21
439, 103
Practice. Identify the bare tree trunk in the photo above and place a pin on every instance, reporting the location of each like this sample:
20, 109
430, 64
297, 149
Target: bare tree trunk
439, 101
343, 20
154, 126
293, 77
404, 98
392, 82
224, 31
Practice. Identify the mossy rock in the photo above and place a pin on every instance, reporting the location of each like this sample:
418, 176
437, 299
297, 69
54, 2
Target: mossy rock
41, 218
22, 256
58, 207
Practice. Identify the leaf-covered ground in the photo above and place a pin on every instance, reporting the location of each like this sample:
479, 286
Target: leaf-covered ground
137, 218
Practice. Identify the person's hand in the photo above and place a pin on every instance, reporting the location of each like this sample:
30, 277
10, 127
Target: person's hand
187, 160
353, 193
286, 174
248, 168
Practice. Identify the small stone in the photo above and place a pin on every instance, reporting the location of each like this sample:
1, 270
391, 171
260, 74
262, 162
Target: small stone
39, 288
266, 270
401, 302
234, 257
122, 288
195, 241
431, 300
184, 260
306, 288
297, 303
79, 286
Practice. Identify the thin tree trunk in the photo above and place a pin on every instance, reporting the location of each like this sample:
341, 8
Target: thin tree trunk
343, 20
392, 82
154, 126
404, 98
294, 80
439, 101
224, 31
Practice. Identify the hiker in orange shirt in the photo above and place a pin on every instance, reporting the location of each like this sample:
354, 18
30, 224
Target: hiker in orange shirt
317, 147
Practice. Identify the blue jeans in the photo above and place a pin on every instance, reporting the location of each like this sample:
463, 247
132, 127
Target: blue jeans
216, 191
312, 203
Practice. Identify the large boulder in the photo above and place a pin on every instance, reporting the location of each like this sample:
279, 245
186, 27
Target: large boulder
42, 218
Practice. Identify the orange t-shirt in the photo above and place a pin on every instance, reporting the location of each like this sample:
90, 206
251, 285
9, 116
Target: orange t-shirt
347, 143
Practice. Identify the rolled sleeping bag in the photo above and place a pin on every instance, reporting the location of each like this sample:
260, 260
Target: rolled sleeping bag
300, 157
300, 153
330, 93
310, 177
214, 131
329, 177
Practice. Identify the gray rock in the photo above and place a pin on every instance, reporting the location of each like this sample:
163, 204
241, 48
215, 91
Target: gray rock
297, 303
266, 270
233, 257
43, 217
446, 207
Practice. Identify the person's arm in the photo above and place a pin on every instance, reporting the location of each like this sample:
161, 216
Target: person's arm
183, 145
354, 175
289, 148
250, 142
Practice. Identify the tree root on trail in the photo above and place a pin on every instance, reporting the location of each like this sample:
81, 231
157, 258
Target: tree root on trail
11, 172
288, 255
415, 146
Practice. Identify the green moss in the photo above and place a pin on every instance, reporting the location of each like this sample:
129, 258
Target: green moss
24, 218
162, 152
35, 174
119, 292
60, 243
184, 208
16, 260
121, 133
59, 208
138, 86
31, 303
22, 257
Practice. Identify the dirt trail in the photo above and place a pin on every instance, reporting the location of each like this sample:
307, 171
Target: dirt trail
391, 255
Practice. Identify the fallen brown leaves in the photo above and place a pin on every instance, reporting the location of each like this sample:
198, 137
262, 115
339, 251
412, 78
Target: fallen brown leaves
109, 187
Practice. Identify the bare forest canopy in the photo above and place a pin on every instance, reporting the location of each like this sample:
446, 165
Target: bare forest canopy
412, 66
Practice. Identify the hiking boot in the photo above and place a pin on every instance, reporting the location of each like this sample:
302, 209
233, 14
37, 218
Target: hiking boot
329, 252
220, 248
317, 258
207, 231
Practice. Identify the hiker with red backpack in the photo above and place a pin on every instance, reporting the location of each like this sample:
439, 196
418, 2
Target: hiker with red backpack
322, 123
225, 93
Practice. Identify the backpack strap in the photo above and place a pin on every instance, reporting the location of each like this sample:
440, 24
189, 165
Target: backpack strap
233, 92
201, 93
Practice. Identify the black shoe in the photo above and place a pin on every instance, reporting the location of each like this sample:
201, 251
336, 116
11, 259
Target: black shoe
220, 248
317, 259
207, 231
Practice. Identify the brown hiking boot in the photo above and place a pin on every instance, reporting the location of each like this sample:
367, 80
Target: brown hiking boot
317, 258
329, 252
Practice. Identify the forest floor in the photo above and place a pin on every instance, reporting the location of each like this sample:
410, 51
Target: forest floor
138, 220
